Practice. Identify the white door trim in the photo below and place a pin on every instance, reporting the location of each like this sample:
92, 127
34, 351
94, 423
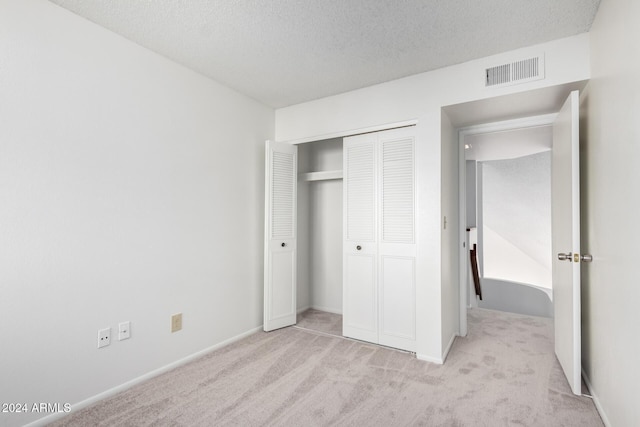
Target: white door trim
353, 132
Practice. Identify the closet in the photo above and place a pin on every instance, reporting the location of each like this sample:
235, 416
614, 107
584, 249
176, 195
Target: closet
350, 226
319, 283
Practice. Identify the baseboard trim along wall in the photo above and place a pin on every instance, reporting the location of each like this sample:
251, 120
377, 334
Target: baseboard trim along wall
316, 307
303, 309
426, 358
438, 360
327, 309
596, 401
448, 348
122, 387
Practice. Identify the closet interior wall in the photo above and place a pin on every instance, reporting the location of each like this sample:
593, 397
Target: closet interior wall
319, 263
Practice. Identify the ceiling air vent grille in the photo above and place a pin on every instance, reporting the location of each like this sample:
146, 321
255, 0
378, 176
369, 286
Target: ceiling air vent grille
516, 72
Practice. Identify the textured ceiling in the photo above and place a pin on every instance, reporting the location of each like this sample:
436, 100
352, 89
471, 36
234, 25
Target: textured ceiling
283, 52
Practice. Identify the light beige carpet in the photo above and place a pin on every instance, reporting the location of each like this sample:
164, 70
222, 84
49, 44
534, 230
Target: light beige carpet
503, 374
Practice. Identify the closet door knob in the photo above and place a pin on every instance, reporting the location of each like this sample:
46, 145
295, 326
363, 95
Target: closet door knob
283, 244
358, 247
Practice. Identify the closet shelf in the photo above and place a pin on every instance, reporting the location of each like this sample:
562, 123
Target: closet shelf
320, 176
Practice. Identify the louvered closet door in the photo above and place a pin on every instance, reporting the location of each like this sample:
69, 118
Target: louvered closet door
379, 238
360, 300
281, 168
397, 245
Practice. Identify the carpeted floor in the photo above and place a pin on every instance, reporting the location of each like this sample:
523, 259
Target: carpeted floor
503, 373
320, 321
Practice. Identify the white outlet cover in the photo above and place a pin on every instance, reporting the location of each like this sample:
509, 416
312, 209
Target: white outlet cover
124, 330
104, 337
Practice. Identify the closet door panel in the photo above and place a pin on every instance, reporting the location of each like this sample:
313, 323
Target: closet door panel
281, 167
360, 318
282, 275
379, 238
397, 249
397, 302
360, 303
359, 178
398, 192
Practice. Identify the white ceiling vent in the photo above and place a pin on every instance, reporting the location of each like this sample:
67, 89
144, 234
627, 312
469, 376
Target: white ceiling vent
525, 70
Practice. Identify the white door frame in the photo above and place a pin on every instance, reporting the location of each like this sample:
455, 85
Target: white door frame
526, 122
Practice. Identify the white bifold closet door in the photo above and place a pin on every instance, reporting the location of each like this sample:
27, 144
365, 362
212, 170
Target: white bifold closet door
281, 170
379, 238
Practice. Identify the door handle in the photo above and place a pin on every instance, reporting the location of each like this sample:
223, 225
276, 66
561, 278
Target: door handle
575, 257
358, 247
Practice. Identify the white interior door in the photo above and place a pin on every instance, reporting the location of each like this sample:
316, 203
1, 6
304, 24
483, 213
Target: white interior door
565, 207
281, 169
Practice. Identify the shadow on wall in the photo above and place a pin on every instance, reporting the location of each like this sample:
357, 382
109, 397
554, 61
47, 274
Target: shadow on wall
516, 219
515, 298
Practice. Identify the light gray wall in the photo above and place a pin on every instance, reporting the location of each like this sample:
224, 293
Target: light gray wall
303, 272
130, 189
515, 298
326, 245
450, 233
479, 217
471, 170
610, 149
516, 197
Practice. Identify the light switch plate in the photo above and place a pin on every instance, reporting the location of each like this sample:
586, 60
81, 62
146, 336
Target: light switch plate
124, 330
176, 322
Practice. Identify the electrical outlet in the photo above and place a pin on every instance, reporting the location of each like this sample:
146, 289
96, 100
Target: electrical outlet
176, 322
104, 337
124, 330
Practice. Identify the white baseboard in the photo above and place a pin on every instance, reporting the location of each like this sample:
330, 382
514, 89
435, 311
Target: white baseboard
327, 309
448, 348
426, 358
438, 360
596, 401
320, 308
122, 387
302, 309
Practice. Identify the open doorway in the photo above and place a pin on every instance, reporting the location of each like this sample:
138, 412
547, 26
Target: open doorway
565, 215
508, 215
533, 108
